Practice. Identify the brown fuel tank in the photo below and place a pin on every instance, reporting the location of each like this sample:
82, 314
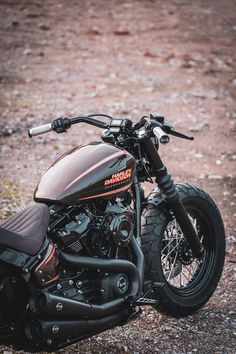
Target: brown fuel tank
86, 172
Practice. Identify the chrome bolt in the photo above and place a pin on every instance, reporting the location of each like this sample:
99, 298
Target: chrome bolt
49, 341
59, 306
58, 286
71, 282
55, 329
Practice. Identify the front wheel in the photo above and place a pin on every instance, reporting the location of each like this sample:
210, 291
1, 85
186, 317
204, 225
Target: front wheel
188, 282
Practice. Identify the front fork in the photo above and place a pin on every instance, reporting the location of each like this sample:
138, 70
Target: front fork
170, 191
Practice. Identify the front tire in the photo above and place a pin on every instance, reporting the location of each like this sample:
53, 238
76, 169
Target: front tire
188, 282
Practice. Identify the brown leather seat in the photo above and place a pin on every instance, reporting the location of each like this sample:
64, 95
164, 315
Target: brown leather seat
26, 230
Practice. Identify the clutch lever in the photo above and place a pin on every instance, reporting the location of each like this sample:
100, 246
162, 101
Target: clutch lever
169, 130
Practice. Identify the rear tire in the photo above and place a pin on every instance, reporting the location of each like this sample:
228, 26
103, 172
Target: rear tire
188, 283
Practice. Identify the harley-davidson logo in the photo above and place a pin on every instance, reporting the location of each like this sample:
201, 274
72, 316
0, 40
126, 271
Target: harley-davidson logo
119, 177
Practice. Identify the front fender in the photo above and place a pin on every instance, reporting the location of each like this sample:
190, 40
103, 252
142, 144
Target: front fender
155, 198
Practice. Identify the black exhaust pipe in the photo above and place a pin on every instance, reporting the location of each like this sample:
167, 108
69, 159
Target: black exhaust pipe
114, 265
52, 330
62, 308
135, 273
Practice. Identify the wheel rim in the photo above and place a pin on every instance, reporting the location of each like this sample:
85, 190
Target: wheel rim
184, 273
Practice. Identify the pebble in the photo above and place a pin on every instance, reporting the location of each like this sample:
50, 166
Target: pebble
121, 32
5, 201
15, 23
93, 31
43, 26
198, 156
214, 177
199, 127
27, 51
17, 93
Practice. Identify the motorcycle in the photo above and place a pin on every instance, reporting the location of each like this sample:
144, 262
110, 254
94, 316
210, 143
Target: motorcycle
93, 248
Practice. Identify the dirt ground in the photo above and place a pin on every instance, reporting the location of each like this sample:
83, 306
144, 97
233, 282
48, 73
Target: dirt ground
127, 59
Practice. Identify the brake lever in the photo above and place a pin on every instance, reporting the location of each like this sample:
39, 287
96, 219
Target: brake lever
178, 134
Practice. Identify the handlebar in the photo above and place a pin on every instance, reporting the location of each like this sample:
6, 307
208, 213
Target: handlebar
155, 125
60, 125
40, 130
162, 137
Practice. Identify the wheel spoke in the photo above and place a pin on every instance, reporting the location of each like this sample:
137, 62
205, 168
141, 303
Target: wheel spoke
178, 271
169, 276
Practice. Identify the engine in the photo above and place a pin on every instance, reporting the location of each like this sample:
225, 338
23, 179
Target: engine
102, 229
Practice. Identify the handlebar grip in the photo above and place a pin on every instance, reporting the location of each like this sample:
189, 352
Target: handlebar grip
161, 135
40, 130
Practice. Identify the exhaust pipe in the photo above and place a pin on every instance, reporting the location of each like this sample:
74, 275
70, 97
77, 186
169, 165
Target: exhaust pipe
61, 307
51, 330
115, 265
135, 273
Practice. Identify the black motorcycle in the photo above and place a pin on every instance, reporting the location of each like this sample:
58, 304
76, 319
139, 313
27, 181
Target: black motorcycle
94, 248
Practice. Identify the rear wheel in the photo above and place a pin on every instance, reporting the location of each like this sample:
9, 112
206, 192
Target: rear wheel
188, 282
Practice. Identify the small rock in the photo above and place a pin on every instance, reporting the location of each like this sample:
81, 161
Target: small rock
93, 31
198, 156
200, 127
17, 93
33, 15
43, 26
27, 51
122, 32
150, 55
15, 23
169, 57
214, 177
5, 201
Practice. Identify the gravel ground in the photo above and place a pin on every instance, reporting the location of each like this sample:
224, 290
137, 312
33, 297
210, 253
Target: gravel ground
128, 58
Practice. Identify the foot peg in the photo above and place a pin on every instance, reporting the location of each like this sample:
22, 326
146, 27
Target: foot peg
145, 300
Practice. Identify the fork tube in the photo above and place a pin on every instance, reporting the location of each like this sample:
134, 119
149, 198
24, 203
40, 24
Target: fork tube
171, 195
